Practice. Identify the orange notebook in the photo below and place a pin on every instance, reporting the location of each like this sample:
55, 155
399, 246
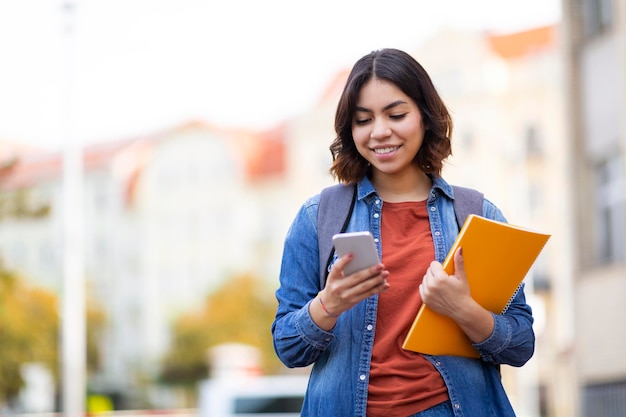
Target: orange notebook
497, 258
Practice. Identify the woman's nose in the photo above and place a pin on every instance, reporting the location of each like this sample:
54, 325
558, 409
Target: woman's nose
380, 130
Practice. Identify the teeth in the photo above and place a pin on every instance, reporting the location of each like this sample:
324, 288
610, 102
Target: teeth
385, 150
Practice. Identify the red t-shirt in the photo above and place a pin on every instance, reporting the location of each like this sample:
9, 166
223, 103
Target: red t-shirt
402, 382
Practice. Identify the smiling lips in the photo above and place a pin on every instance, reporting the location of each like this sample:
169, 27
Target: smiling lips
389, 149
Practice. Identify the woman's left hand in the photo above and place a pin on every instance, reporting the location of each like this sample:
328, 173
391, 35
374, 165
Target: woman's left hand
444, 293
450, 296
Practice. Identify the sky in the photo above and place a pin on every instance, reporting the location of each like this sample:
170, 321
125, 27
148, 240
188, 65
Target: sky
85, 71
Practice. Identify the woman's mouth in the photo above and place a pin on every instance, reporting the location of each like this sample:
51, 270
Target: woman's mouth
386, 150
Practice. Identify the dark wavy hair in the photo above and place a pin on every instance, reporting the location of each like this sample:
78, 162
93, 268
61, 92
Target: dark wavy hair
408, 75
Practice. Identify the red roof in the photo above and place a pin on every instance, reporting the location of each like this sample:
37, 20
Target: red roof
335, 86
264, 155
518, 44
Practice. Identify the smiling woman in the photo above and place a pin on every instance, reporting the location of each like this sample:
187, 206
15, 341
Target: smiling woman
393, 135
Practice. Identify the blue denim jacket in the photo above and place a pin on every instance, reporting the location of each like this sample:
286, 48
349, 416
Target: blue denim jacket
341, 357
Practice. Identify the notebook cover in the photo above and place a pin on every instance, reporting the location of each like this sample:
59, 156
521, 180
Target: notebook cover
497, 258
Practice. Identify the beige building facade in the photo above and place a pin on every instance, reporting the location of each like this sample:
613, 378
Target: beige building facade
505, 92
595, 46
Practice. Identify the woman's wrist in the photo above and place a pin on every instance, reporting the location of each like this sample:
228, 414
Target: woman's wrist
320, 315
321, 301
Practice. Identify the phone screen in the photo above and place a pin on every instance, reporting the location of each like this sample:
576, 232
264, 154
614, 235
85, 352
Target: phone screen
362, 245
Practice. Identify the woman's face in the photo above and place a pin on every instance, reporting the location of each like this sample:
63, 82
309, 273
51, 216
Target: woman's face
387, 127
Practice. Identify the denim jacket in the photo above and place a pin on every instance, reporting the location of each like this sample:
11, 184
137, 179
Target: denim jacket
341, 357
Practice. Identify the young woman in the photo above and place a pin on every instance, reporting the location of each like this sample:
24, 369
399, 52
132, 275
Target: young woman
393, 134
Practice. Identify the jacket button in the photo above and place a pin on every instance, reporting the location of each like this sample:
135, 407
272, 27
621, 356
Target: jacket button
370, 327
362, 377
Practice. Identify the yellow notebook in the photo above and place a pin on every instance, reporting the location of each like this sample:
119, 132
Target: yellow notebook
497, 258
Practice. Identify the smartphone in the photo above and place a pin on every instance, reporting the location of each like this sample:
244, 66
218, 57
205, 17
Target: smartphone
361, 244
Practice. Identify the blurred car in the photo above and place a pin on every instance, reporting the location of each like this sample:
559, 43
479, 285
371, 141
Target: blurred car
269, 396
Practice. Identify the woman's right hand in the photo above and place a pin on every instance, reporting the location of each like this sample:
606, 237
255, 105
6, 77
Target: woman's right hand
344, 292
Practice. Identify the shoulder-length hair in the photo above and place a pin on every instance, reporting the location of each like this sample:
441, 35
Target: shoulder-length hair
408, 75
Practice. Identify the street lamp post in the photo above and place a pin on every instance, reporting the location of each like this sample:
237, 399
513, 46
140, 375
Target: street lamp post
73, 314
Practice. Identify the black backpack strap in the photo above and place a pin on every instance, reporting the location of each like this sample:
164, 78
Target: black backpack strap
333, 215
466, 201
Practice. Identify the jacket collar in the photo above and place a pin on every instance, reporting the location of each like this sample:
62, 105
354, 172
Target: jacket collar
366, 188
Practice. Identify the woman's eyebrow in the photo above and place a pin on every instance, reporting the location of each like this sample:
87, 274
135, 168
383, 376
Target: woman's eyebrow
387, 107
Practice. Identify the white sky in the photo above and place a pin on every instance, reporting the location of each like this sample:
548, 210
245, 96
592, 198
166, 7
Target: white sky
136, 66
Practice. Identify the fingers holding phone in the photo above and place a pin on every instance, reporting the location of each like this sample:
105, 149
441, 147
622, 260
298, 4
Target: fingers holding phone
364, 260
361, 246
356, 275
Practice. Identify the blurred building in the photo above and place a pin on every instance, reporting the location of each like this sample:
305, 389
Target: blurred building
595, 46
505, 93
168, 216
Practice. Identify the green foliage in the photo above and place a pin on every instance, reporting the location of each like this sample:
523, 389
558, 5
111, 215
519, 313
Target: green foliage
241, 311
29, 328
96, 320
185, 363
29, 331
20, 203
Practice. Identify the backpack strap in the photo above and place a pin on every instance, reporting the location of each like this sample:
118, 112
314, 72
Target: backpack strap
333, 215
466, 201
335, 209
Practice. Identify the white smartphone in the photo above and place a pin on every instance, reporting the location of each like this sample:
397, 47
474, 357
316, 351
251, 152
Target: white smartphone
361, 244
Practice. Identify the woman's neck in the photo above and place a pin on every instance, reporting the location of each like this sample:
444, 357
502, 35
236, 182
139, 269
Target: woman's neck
395, 189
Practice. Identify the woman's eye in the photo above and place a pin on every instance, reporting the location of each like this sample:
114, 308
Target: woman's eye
398, 116
361, 121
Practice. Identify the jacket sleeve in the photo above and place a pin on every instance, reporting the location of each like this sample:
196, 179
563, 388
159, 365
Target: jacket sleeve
512, 341
298, 341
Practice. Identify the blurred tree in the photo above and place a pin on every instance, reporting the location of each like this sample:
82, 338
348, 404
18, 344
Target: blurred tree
22, 202
28, 331
96, 320
241, 311
29, 317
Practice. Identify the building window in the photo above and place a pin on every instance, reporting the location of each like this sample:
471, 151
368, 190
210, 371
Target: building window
609, 210
597, 16
535, 197
532, 138
604, 400
46, 255
19, 254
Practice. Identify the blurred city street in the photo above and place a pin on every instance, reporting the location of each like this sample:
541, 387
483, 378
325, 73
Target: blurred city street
154, 153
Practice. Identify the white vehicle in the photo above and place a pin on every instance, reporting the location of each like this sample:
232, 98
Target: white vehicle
252, 396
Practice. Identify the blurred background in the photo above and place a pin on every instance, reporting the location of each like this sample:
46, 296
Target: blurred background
153, 154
